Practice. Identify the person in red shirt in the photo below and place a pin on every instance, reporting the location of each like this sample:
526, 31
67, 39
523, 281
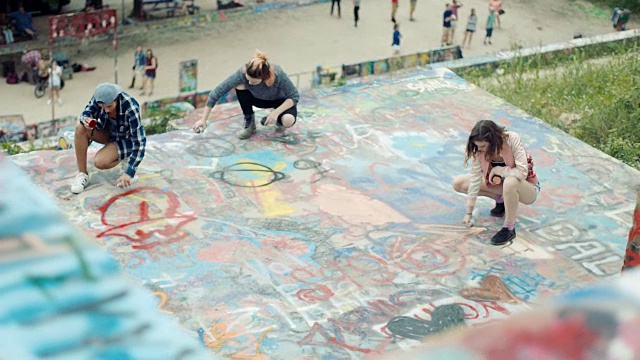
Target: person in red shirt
394, 9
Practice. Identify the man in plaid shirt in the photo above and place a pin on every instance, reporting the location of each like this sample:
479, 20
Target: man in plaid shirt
112, 118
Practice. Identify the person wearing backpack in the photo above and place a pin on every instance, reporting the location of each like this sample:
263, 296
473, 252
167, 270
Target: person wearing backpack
149, 73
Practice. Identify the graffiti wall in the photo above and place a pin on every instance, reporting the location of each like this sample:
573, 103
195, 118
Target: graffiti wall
392, 64
198, 100
14, 129
595, 46
63, 298
343, 238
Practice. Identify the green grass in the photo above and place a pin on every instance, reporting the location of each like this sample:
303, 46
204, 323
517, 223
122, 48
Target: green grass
159, 118
603, 94
633, 5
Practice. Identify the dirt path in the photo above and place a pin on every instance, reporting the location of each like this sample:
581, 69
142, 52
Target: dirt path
301, 38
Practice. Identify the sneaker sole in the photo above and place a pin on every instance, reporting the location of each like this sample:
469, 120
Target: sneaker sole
497, 215
509, 239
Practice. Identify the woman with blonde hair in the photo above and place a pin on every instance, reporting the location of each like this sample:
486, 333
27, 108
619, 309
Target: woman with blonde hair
261, 84
502, 170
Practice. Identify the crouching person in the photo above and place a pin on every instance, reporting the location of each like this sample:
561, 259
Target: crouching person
112, 118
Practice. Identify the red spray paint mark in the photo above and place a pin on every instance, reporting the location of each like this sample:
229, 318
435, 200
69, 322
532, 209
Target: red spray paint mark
170, 232
330, 340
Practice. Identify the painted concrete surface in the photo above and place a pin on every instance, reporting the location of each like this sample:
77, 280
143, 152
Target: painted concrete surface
600, 321
63, 298
330, 241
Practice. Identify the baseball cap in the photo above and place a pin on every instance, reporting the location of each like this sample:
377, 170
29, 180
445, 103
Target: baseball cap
106, 93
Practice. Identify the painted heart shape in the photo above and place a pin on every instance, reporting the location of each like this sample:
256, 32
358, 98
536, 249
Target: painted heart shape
442, 318
491, 289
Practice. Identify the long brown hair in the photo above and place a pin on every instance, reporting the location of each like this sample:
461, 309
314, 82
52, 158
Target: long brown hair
150, 57
485, 130
259, 68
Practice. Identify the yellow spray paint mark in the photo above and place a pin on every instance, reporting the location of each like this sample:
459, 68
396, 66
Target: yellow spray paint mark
268, 197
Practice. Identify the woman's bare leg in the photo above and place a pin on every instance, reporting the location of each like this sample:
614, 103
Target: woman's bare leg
516, 191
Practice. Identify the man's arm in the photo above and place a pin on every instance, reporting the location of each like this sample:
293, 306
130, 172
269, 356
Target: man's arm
92, 111
138, 138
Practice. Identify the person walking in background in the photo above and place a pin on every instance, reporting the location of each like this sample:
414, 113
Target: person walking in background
261, 84
471, 28
395, 45
412, 9
139, 62
490, 21
394, 10
149, 72
333, 3
454, 19
496, 5
55, 82
356, 12
446, 26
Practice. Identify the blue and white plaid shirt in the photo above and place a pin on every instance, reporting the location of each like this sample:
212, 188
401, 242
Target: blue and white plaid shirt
125, 131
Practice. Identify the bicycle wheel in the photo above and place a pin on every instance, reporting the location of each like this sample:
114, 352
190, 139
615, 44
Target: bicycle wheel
40, 90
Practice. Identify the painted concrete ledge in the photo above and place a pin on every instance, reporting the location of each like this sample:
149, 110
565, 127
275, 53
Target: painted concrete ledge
598, 44
63, 298
319, 243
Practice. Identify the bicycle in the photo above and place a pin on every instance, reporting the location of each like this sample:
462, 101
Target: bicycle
41, 87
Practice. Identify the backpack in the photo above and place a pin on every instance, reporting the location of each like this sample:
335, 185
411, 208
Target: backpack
13, 78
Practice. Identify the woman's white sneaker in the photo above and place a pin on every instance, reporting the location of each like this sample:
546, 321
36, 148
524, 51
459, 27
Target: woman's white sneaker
79, 183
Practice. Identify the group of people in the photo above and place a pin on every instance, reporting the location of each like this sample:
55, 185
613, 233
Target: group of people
44, 70
501, 168
112, 117
145, 65
450, 20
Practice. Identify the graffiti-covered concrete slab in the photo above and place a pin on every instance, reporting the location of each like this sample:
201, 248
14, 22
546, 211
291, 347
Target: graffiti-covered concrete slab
344, 237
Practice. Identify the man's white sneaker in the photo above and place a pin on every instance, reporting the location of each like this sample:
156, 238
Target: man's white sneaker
79, 183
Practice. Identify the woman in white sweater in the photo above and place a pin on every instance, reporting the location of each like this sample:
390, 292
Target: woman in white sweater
501, 170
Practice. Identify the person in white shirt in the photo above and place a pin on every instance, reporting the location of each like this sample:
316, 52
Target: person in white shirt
55, 82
